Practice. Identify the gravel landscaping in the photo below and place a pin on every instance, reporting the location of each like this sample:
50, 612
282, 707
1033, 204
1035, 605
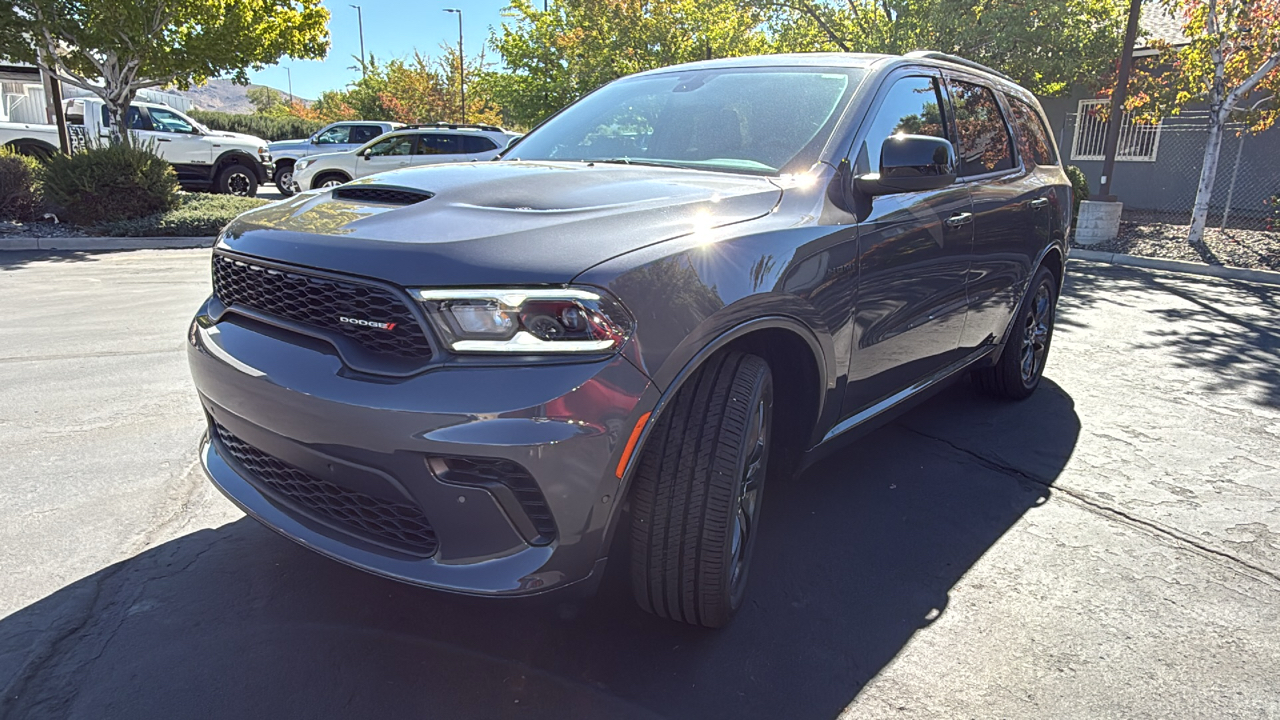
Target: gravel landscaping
1253, 249
198, 215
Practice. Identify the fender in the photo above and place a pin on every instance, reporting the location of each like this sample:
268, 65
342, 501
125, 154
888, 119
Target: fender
239, 157
25, 145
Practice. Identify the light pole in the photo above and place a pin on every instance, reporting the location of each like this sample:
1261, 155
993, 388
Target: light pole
360, 20
462, 81
289, 73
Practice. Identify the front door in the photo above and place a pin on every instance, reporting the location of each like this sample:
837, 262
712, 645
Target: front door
179, 142
390, 153
913, 256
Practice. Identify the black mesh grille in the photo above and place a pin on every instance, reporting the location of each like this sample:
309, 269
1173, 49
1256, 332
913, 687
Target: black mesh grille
388, 195
391, 522
480, 471
321, 302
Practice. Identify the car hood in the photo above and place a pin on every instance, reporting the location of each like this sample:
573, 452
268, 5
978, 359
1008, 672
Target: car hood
257, 142
490, 223
289, 145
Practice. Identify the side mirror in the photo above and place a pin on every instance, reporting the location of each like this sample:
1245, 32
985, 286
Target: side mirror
910, 163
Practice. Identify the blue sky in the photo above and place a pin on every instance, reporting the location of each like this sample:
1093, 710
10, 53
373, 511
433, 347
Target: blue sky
391, 29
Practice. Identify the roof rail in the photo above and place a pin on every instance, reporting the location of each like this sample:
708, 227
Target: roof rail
956, 60
456, 126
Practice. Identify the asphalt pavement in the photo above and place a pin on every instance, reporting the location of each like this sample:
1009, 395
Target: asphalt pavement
1108, 548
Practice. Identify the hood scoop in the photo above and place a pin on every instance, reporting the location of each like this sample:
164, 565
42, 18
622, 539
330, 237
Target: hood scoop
382, 194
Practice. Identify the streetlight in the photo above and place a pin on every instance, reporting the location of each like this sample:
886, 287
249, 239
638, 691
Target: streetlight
360, 20
462, 83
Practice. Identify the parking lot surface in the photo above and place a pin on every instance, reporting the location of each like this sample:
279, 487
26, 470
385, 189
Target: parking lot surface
1108, 548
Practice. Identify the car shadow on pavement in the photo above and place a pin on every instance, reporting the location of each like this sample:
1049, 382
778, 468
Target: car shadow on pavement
855, 556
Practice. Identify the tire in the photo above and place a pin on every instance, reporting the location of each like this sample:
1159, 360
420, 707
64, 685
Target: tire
330, 179
236, 179
284, 179
698, 487
1017, 372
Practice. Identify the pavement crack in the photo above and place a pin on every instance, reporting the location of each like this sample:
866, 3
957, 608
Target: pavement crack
1113, 513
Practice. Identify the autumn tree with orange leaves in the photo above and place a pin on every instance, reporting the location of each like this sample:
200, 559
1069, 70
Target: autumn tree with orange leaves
1232, 64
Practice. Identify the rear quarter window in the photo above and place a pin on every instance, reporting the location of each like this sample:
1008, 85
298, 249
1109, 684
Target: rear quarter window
477, 144
1033, 139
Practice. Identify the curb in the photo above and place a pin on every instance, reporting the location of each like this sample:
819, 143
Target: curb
1267, 277
105, 243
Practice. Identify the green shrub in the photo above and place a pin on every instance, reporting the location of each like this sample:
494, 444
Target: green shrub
19, 186
109, 182
197, 215
1079, 188
267, 127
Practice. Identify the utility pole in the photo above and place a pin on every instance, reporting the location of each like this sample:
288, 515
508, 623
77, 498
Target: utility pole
289, 72
462, 81
360, 20
1117, 103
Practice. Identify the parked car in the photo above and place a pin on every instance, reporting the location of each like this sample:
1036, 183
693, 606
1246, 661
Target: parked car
334, 137
204, 159
470, 377
408, 147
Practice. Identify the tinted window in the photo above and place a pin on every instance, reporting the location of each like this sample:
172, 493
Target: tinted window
477, 144
394, 145
438, 144
169, 121
1033, 139
911, 107
363, 133
335, 135
758, 120
984, 138
134, 119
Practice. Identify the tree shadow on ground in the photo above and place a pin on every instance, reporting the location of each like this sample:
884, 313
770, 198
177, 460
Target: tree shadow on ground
855, 556
11, 260
1229, 328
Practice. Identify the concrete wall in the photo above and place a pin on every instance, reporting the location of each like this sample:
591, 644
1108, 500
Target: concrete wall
1167, 186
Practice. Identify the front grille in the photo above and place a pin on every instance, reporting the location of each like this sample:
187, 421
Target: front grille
394, 523
321, 302
483, 471
381, 194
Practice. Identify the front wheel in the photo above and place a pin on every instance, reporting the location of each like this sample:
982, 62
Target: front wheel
698, 487
284, 180
1021, 365
329, 180
237, 180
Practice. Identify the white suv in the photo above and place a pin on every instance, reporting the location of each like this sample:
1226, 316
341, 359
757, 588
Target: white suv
408, 147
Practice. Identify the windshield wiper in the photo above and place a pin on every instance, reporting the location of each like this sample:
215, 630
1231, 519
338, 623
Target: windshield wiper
638, 161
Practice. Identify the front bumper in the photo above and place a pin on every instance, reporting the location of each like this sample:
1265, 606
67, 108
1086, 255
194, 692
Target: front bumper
294, 401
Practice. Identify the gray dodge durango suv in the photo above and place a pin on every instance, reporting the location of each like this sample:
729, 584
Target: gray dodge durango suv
472, 377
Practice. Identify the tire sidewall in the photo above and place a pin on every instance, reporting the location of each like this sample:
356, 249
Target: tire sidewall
284, 186
1041, 278
732, 595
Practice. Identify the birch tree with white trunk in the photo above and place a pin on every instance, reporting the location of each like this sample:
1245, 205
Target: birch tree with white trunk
114, 48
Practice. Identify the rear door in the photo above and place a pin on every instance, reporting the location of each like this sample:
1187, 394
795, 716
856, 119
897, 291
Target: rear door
360, 134
913, 255
437, 147
1003, 189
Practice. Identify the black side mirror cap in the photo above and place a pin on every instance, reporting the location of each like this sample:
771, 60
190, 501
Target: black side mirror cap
910, 163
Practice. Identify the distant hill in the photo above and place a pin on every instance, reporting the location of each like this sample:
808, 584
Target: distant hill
225, 96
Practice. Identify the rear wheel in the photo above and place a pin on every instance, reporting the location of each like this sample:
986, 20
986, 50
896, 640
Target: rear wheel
698, 487
1021, 365
237, 180
284, 179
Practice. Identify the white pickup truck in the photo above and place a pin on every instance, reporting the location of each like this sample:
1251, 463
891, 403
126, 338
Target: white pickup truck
204, 159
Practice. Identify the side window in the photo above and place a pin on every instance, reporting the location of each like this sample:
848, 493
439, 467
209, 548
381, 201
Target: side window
477, 144
364, 133
334, 135
133, 118
438, 144
911, 107
169, 121
1033, 139
984, 138
394, 145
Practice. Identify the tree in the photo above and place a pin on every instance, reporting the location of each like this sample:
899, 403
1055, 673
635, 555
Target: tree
555, 56
266, 101
114, 49
1233, 54
1046, 45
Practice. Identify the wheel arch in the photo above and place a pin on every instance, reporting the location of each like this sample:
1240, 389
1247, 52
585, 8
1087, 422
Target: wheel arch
38, 149
234, 157
315, 181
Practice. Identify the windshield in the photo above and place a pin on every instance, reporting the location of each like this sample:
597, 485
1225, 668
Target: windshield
756, 120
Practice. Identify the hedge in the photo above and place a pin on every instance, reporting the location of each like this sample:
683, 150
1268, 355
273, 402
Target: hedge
264, 126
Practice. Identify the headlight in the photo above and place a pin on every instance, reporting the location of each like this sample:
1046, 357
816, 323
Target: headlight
300, 165
528, 320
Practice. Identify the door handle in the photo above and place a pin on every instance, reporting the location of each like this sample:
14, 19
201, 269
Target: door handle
1039, 203
959, 219
163, 140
